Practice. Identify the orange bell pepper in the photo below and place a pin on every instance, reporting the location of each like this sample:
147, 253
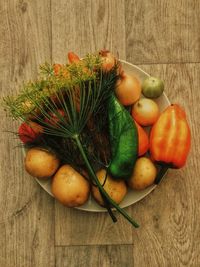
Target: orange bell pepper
57, 67
73, 58
170, 137
143, 140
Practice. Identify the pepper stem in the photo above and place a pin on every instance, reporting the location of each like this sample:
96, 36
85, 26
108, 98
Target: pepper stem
161, 174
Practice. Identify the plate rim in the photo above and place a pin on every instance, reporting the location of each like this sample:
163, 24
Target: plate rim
101, 209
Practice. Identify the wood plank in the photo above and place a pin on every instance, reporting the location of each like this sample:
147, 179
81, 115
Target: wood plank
169, 233
25, 31
27, 236
86, 27
162, 31
98, 256
75, 227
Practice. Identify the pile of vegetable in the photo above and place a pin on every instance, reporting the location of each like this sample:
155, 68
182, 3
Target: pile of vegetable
84, 127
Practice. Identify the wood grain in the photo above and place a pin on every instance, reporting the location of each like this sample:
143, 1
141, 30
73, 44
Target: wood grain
85, 21
169, 235
162, 31
85, 25
25, 208
150, 33
98, 256
74, 227
27, 237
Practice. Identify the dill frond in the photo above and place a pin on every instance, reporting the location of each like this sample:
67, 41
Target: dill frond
81, 91
46, 70
49, 83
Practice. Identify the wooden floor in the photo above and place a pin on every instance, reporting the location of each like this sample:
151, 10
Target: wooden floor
163, 38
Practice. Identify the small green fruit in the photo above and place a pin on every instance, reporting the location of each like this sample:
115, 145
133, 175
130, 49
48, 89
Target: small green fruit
152, 87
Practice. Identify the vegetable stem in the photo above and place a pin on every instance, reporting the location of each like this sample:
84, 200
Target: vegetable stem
161, 174
101, 189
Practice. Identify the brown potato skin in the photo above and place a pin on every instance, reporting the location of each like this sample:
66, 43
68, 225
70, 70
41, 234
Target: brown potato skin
116, 189
144, 174
69, 187
41, 163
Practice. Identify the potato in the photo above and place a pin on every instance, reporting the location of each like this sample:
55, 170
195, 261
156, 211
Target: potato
69, 187
116, 189
41, 163
144, 174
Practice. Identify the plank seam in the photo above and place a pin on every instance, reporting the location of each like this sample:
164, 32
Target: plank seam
93, 245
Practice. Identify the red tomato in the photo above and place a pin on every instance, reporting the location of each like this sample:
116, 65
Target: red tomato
55, 118
29, 132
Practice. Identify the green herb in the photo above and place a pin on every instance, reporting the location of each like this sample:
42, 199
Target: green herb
80, 90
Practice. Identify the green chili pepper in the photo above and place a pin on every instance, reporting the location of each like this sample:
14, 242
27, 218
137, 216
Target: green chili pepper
123, 139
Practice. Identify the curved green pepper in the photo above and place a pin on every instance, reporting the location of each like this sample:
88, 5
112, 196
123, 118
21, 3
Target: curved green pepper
123, 139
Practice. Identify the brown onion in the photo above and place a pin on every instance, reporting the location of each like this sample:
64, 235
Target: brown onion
128, 89
109, 60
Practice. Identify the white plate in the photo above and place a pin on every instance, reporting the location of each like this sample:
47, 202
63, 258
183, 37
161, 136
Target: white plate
132, 196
